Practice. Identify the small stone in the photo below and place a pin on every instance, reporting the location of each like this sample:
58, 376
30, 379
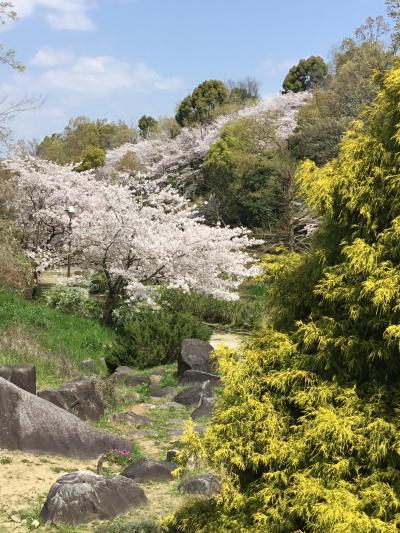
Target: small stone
165, 392
128, 417
15, 518
155, 382
205, 408
206, 484
148, 470
126, 375
171, 405
193, 395
35, 524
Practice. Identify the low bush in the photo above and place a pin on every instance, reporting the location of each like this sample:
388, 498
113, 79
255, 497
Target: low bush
240, 314
151, 337
74, 300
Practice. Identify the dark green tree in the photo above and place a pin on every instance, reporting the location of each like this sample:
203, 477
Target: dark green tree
147, 124
306, 75
198, 108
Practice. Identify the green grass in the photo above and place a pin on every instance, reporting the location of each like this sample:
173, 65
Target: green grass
31, 332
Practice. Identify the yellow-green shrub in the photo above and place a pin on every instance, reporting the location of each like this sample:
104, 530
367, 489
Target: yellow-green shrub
307, 432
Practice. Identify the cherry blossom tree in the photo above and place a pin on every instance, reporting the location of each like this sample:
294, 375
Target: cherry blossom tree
182, 156
139, 236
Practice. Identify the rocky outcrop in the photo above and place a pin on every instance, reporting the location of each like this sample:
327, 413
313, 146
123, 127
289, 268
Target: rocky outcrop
149, 470
79, 397
82, 497
23, 376
195, 355
31, 424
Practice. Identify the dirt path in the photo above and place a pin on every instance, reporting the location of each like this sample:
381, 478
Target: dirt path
232, 340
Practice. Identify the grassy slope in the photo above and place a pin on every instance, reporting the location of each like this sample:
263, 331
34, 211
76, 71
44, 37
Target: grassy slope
55, 342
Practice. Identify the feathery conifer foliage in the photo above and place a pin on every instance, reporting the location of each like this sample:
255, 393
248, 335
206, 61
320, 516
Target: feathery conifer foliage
317, 448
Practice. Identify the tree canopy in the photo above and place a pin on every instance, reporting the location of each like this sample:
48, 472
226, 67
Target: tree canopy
306, 75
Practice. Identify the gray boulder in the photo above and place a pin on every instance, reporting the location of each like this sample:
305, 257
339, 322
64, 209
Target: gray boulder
79, 397
31, 424
165, 392
82, 497
23, 376
206, 484
197, 376
124, 374
149, 470
195, 355
130, 418
193, 395
205, 408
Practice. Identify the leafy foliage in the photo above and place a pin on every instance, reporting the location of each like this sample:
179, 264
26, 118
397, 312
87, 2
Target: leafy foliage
317, 447
146, 125
306, 75
75, 300
92, 157
153, 337
245, 313
82, 134
198, 107
358, 65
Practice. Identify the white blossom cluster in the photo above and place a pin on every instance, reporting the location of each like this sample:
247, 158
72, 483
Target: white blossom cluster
138, 236
162, 156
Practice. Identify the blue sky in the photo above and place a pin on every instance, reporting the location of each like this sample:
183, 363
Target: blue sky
119, 59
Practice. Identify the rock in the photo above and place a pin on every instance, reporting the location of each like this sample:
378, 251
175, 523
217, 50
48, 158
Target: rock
81, 497
23, 376
165, 392
126, 375
133, 397
206, 484
31, 424
205, 408
89, 365
155, 382
149, 470
171, 405
54, 397
193, 395
172, 455
128, 417
196, 376
195, 355
158, 372
79, 397
175, 432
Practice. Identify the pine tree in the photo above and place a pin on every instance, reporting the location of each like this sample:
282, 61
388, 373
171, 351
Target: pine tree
307, 432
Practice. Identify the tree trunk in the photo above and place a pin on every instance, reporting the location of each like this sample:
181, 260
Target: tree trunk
108, 308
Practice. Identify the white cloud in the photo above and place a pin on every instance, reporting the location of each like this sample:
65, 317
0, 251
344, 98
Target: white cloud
60, 14
61, 70
50, 57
